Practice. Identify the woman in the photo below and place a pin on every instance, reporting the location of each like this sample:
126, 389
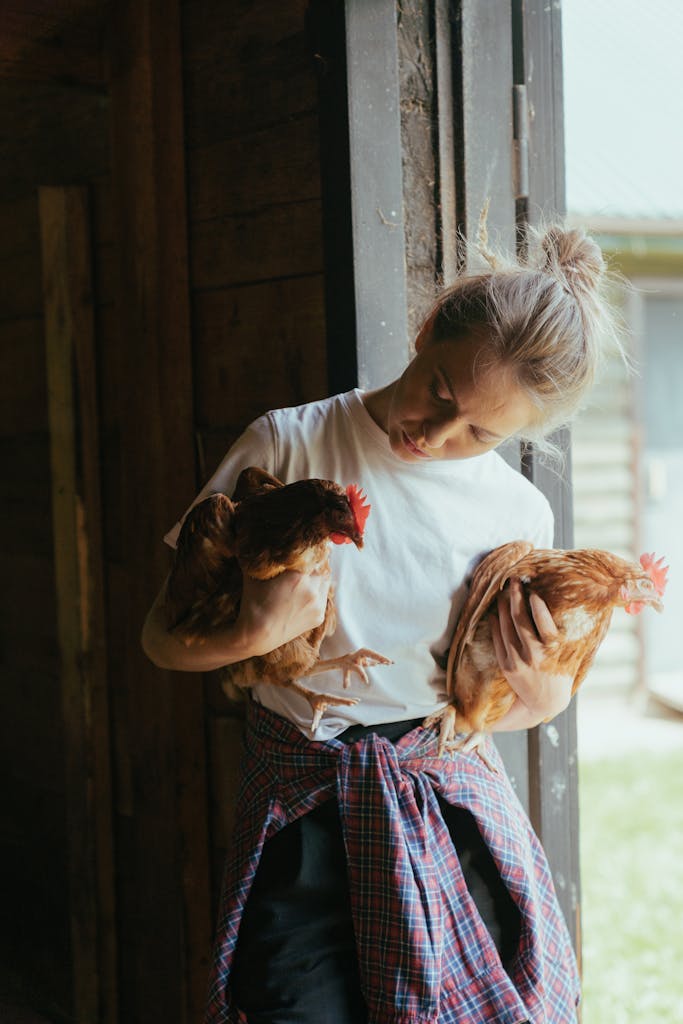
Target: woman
371, 880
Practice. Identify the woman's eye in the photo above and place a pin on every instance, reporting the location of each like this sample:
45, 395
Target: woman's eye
477, 436
438, 395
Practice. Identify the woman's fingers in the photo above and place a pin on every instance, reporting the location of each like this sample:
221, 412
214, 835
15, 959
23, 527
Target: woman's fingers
543, 620
520, 634
499, 644
523, 636
517, 631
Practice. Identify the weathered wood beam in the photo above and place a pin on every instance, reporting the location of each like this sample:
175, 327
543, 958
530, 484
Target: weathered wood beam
161, 759
481, 59
74, 447
375, 158
355, 45
553, 772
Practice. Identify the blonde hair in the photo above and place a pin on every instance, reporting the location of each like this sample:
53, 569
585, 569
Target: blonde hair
546, 317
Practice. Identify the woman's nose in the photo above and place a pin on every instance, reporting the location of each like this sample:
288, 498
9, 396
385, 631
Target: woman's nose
437, 433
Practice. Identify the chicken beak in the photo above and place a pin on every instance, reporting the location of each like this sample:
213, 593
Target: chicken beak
358, 540
644, 597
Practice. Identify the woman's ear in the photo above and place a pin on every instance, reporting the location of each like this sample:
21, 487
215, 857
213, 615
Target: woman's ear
421, 339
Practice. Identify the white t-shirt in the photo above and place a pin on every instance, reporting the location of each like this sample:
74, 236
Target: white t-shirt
401, 594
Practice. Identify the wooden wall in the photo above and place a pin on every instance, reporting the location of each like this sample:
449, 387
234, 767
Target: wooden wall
252, 220
51, 131
254, 208
256, 258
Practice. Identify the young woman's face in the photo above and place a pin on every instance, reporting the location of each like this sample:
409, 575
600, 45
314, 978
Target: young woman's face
445, 407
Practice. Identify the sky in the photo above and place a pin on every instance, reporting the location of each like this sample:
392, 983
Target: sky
623, 95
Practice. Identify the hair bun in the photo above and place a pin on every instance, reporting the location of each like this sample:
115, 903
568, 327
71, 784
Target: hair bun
575, 257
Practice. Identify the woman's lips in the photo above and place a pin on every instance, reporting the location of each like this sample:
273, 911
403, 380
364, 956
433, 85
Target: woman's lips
413, 449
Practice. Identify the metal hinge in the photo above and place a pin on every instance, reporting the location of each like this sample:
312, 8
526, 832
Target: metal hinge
520, 145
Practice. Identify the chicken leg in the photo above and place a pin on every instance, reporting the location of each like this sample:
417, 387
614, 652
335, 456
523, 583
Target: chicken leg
320, 701
349, 663
448, 741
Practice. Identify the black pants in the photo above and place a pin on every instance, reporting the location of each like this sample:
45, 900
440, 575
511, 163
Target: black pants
296, 959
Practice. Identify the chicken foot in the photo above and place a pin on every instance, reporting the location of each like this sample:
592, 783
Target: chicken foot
448, 741
351, 663
320, 701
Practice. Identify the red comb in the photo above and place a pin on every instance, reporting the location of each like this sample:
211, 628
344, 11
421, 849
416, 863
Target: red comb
359, 506
656, 570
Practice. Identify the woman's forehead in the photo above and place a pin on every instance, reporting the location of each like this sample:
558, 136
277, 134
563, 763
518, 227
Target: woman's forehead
483, 384
469, 363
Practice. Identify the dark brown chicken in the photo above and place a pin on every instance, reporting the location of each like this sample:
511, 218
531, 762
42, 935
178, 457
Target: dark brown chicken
581, 589
264, 530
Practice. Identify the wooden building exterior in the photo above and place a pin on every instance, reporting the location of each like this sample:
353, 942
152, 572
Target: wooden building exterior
627, 456
208, 209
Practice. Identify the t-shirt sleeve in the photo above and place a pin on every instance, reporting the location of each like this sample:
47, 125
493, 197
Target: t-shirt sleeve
255, 447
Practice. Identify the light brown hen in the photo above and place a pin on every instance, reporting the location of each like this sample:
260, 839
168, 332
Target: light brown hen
581, 589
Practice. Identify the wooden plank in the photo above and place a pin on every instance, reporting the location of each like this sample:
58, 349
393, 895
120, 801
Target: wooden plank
355, 46
52, 40
50, 132
240, 175
482, 62
72, 389
375, 160
418, 106
20, 226
484, 55
26, 510
262, 347
165, 918
245, 72
20, 295
538, 60
326, 27
22, 360
448, 217
31, 738
272, 242
552, 748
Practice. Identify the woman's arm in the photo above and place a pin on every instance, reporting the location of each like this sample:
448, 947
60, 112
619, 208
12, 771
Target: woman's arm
519, 641
272, 612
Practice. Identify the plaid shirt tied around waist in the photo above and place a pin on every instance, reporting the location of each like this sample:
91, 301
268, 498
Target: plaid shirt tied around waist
425, 955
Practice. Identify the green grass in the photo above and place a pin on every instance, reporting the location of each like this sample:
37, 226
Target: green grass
631, 814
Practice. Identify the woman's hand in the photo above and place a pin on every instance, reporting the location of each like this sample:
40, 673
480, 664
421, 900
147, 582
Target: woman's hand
271, 613
275, 611
521, 644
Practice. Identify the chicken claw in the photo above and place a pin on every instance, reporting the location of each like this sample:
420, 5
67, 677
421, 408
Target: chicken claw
448, 741
352, 663
476, 741
446, 721
320, 701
